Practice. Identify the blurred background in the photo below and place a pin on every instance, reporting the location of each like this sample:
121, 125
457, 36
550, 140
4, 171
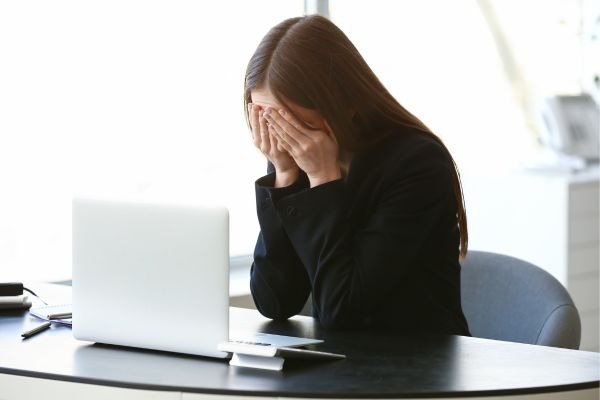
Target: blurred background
134, 98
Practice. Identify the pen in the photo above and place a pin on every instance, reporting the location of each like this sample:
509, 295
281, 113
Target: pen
35, 330
60, 315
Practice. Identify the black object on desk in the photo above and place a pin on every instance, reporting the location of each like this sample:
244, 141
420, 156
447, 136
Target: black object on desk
11, 289
36, 330
378, 365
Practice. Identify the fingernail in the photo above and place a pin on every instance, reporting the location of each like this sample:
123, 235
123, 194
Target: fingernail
260, 113
282, 112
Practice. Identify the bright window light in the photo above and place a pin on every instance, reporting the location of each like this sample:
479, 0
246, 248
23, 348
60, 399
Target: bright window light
439, 60
123, 98
144, 99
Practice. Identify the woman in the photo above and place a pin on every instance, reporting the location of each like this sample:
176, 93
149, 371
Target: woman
362, 205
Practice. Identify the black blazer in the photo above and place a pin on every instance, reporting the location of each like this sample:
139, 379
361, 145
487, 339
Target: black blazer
377, 249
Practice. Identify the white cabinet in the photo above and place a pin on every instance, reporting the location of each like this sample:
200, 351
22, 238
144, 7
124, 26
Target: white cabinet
548, 219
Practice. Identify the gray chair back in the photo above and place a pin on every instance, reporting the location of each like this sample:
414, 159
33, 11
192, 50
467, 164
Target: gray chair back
509, 299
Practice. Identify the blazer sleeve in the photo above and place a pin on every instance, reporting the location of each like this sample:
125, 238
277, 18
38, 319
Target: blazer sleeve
352, 268
278, 281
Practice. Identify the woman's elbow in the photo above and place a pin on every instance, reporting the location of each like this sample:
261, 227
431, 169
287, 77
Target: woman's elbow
274, 313
272, 307
334, 317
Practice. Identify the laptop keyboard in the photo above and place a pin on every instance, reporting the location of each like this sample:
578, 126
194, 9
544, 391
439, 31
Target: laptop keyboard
248, 342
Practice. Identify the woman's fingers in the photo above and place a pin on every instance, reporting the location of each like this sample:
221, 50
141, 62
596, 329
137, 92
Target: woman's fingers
276, 140
265, 145
254, 124
283, 136
286, 117
288, 125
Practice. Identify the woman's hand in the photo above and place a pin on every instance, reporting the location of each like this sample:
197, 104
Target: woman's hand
314, 151
286, 170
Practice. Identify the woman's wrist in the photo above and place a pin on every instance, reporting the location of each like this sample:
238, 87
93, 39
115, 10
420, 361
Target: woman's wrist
324, 178
286, 178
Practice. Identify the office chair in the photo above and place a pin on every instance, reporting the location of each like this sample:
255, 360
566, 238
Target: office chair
509, 299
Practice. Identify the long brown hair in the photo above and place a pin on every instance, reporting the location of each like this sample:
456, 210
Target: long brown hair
310, 61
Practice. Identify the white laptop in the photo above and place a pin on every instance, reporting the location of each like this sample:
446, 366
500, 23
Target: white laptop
154, 276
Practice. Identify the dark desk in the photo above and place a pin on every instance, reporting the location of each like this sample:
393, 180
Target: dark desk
378, 365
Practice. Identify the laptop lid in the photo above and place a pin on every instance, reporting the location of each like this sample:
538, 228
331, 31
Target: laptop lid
151, 275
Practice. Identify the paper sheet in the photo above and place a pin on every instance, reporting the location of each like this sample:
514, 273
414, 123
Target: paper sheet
42, 313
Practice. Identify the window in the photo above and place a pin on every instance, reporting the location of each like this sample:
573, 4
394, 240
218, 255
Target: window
123, 98
136, 98
471, 70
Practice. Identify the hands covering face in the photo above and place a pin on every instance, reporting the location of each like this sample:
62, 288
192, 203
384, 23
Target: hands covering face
291, 146
267, 143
